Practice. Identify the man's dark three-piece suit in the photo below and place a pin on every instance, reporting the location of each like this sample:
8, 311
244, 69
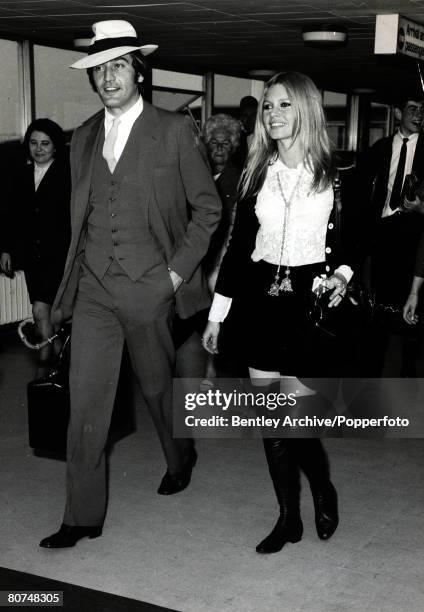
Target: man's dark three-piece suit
394, 239
156, 212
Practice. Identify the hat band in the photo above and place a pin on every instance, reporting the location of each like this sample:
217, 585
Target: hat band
111, 43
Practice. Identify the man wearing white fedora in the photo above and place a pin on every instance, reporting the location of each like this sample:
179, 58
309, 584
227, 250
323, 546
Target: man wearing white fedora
144, 207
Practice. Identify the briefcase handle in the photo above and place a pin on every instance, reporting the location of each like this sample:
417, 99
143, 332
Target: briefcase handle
62, 333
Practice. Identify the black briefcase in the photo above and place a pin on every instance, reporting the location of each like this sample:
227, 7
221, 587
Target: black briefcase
49, 406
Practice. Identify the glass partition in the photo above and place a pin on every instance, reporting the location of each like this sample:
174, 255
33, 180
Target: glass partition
335, 107
10, 95
379, 122
62, 94
228, 91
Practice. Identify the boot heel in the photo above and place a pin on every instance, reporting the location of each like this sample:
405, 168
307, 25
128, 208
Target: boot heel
326, 512
193, 458
295, 538
279, 536
95, 533
296, 534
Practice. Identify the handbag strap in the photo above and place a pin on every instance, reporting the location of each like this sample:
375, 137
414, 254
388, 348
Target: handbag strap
337, 209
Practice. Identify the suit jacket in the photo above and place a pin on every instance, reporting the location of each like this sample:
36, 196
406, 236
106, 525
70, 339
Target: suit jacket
393, 246
376, 170
178, 196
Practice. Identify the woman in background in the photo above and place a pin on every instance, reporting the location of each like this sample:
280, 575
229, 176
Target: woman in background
221, 135
282, 248
39, 224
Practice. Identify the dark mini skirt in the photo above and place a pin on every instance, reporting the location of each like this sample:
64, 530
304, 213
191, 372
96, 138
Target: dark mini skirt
273, 333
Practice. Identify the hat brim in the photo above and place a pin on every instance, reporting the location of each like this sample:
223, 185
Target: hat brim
109, 54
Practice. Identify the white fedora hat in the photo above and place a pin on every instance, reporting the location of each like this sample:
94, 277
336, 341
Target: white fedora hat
112, 39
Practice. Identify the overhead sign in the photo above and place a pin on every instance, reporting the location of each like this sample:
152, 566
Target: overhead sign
396, 34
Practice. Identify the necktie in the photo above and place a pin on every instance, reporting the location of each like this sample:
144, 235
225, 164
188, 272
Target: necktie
398, 182
109, 145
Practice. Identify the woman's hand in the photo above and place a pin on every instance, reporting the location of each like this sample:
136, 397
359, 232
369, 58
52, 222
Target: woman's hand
210, 337
338, 284
6, 263
410, 308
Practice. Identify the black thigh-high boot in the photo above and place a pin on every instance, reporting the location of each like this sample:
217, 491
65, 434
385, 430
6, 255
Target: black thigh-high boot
285, 477
312, 459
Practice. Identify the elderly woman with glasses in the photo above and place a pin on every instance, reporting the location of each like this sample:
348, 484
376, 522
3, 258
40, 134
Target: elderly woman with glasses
221, 136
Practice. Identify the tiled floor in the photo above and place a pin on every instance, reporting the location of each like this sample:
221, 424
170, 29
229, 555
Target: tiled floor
194, 551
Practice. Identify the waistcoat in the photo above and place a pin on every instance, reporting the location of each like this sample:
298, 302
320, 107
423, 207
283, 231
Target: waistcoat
117, 224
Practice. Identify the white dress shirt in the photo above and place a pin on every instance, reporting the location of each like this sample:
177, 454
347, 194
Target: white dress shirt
126, 121
410, 152
40, 171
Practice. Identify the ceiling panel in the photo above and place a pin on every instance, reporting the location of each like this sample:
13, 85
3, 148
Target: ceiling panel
232, 36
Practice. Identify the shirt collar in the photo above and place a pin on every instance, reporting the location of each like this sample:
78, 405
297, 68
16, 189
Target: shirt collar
277, 165
40, 169
129, 116
411, 138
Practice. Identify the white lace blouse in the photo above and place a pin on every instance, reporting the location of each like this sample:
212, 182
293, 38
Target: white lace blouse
306, 221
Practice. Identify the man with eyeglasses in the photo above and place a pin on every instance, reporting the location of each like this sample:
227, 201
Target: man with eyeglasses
395, 223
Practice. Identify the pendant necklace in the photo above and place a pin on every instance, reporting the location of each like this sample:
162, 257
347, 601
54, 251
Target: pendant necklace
284, 285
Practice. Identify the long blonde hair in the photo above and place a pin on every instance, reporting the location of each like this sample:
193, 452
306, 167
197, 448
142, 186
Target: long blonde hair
310, 128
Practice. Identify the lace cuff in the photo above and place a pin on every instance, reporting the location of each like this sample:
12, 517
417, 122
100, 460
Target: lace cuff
220, 307
346, 271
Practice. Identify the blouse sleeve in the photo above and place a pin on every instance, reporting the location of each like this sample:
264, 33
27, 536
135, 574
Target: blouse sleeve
220, 308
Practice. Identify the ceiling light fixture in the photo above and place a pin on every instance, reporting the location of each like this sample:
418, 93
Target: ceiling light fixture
326, 36
261, 73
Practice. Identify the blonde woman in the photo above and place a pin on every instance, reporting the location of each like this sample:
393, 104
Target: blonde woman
282, 247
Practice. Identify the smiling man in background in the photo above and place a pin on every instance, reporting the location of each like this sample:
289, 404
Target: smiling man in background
394, 228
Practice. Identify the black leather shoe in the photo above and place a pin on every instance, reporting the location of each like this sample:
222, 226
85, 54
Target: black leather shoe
326, 514
69, 535
174, 483
283, 532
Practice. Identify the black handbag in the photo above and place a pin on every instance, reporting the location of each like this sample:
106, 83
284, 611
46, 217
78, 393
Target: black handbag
356, 308
49, 405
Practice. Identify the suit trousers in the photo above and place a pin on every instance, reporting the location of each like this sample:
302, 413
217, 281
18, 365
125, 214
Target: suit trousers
107, 313
394, 353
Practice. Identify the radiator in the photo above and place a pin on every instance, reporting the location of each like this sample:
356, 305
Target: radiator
14, 300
